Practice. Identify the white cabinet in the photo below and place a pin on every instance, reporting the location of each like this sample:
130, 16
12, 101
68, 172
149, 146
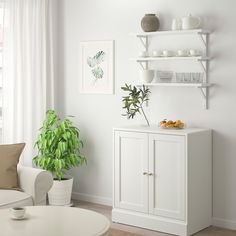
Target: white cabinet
162, 179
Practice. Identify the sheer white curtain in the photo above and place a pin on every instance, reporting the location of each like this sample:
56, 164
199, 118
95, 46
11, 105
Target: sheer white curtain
28, 70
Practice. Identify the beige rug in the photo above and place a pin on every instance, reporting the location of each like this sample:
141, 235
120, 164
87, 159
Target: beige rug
116, 232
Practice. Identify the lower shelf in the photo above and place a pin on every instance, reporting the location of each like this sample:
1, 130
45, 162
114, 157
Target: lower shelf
203, 87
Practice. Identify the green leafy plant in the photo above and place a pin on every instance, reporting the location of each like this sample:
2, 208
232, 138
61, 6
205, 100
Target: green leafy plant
58, 145
133, 103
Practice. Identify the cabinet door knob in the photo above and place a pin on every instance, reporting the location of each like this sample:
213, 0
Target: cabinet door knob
150, 174
145, 173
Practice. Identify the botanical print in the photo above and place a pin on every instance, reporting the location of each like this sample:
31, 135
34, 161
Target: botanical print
94, 63
96, 67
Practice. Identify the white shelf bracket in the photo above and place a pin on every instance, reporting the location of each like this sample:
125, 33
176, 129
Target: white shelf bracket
141, 64
204, 92
202, 65
144, 41
203, 39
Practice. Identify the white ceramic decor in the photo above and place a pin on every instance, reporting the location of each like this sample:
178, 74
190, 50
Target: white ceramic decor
190, 22
156, 53
17, 212
146, 76
60, 193
195, 52
176, 24
182, 53
143, 54
167, 53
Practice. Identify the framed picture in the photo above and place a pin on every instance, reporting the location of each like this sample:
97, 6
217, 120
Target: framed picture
97, 67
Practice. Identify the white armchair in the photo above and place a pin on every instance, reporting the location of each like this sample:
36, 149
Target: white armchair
34, 183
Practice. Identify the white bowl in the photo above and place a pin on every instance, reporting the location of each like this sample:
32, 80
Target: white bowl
147, 75
143, 54
194, 52
182, 53
167, 53
156, 53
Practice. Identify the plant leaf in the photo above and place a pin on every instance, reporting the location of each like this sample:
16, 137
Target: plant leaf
99, 57
98, 72
91, 62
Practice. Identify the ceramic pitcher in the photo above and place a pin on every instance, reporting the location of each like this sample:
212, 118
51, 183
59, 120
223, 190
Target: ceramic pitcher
190, 22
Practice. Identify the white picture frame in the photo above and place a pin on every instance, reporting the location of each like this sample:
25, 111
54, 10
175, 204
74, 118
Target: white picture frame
96, 66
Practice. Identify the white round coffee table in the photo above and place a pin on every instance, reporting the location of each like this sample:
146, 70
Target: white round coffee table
54, 221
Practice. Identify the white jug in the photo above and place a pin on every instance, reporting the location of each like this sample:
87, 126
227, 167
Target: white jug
190, 22
176, 24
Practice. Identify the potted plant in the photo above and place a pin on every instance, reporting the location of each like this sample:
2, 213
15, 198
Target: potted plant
59, 146
133, 102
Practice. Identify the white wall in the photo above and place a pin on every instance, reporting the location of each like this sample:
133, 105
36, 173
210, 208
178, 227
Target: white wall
97, 114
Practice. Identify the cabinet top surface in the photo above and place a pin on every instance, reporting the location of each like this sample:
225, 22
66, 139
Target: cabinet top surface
156, 129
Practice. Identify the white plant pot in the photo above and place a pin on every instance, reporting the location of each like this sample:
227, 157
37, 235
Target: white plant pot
60, 193
146, 76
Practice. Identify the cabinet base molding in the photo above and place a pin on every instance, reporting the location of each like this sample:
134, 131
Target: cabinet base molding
149, 222
153, 222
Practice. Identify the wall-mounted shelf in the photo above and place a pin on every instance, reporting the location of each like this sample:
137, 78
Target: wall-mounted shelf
203, 35
202, 60
196, 85
201, 86
144, 59
172, 32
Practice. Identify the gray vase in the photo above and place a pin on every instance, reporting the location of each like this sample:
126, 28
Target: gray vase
150, 23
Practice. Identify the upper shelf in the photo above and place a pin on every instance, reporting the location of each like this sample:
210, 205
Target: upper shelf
143, 59
172, 32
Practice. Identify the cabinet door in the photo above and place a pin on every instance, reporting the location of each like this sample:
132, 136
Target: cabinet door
167, 185
131, 161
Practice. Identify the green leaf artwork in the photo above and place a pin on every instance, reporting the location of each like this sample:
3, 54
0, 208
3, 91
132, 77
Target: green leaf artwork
94, 62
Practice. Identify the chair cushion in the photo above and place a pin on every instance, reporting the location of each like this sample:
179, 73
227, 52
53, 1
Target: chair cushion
14, 198
9, 158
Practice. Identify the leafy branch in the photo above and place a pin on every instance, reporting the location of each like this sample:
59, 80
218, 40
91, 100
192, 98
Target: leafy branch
133, 102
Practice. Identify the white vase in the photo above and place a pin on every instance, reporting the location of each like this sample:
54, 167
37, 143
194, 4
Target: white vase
146, 76
60, 193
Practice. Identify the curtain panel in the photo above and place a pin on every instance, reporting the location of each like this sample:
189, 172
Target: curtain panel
28, 70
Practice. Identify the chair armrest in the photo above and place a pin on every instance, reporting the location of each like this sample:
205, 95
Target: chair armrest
35, 182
